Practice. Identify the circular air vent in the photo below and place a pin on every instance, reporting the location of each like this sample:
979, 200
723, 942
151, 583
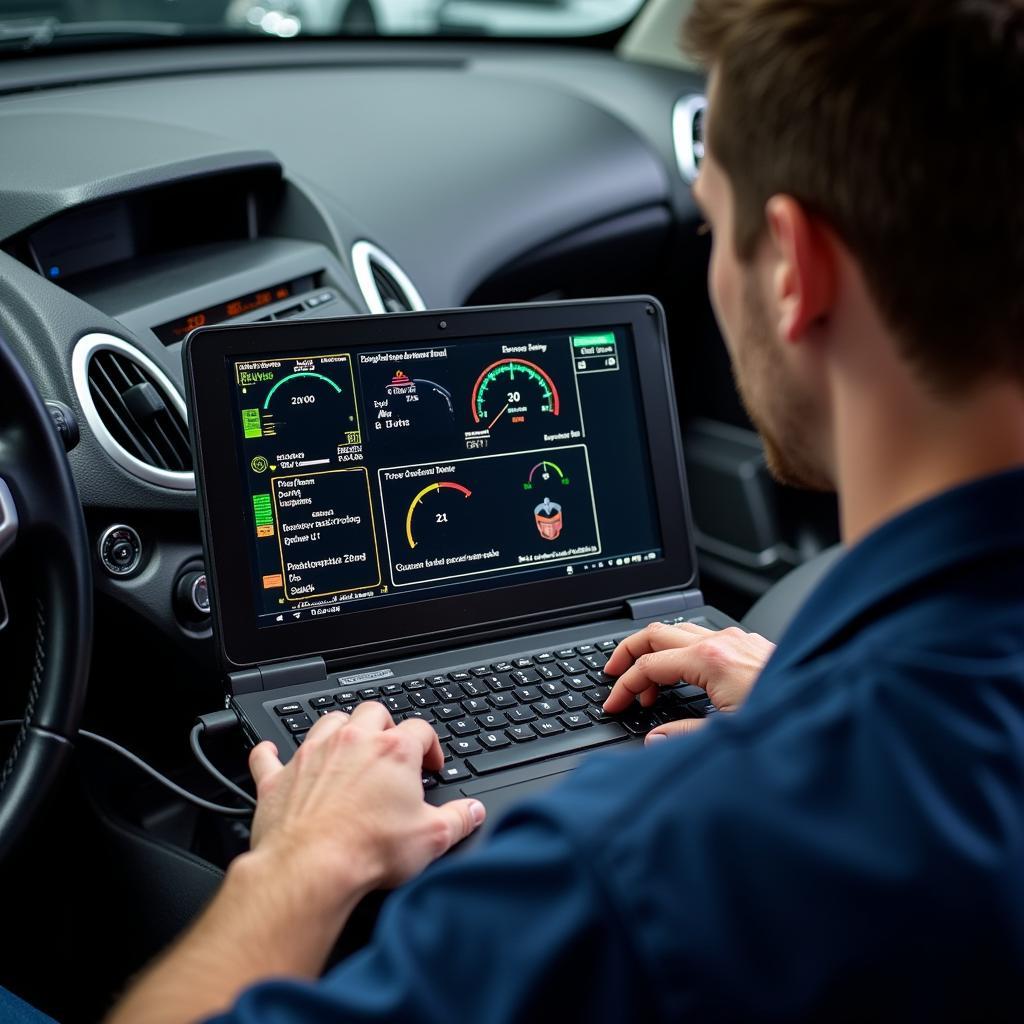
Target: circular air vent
385, 286
688, 135
134, 410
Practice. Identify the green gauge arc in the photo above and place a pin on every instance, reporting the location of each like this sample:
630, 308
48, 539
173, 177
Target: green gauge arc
510, 366
292, 376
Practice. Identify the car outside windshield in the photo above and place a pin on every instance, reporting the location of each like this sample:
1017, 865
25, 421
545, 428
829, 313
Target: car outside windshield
38, 23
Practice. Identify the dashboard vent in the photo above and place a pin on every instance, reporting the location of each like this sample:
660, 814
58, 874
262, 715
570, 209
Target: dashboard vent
134, 410
688, 135
385, 286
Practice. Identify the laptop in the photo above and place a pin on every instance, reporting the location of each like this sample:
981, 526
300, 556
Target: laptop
456, 513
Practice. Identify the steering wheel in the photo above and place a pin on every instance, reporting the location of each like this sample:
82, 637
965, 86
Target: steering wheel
39, 507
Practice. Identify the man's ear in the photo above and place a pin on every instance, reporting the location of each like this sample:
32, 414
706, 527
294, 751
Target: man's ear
804, 280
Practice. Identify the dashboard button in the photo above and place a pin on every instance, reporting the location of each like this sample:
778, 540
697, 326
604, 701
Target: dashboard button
120, 550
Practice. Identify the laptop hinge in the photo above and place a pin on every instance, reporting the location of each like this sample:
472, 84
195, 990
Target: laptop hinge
304, 671
664, 604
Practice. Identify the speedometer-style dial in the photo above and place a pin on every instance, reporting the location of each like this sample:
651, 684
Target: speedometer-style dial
513, 391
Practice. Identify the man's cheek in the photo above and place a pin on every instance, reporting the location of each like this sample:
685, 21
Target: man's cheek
720, 289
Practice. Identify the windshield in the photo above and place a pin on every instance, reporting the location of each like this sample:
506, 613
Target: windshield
31, 24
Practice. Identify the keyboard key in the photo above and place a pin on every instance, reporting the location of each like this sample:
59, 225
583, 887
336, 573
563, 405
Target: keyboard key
297, 723
586, 649
396, 704
571, 668
553, 689
502, 700
578, 682
437, 680
347, 697
596, 736
425, 716
565, 652
368, 693
521, 733
391, 689
497, 683
463, 727
525, 678
502, 666
547, 727
326, 701
347, 708
423, 698
594, 661
518, 715
480, 671
573, 701
639, 723
549, 671
454, 772
475, 706
447, 694
429, 781
464, 746
494, 740
441, 728
546, 707
459, 677
543, 659
576, 720
492, 721
291, 708
598, 714
599, 694
607, 645
320, 712
522, 662
299, 737
445, 712
525, 694
702, 708
415, 684
474, 689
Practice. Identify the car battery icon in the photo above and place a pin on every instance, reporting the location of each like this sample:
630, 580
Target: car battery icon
548, 516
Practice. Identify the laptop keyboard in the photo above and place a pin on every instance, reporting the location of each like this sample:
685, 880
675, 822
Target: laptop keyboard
524, 709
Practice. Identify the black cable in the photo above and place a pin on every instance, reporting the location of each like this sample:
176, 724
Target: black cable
197, 730
198, 801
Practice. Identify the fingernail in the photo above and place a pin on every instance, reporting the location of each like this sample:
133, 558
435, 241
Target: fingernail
655, 737
477, 812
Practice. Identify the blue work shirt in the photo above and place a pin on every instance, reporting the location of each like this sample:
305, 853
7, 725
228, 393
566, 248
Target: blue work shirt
849, 845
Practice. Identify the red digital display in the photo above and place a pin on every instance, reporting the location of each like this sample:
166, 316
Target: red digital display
175, 330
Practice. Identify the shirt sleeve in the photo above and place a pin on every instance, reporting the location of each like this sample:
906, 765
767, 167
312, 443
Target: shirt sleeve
516, 929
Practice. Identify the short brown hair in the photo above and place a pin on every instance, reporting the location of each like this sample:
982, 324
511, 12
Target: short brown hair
901, 124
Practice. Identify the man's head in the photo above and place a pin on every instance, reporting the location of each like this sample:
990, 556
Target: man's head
879, 142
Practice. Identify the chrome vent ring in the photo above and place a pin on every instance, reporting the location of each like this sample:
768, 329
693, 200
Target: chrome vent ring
384, 284
140, 403
688, 135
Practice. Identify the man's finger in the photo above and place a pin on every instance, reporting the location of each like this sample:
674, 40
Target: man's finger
264, 762
682, 728
424, 735
372, 714
324, 727
462, 818
657, 668
656, 637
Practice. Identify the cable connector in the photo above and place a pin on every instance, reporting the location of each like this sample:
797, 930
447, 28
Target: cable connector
219, 721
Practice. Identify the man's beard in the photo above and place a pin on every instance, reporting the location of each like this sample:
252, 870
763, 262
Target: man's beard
785, 418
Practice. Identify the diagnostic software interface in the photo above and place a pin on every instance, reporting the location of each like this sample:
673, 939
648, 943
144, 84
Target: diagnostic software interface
404, 472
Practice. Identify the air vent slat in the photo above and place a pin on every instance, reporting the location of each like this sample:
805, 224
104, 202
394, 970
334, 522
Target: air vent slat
385, 286
152, 431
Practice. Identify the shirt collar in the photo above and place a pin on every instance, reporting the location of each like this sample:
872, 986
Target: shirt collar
958, 526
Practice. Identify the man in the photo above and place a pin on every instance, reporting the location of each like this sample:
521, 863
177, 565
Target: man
850, 843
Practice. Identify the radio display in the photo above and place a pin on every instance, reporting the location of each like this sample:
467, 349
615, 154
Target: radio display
175, 330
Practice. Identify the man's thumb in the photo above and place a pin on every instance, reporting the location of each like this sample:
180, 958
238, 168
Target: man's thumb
662, 732
463, 817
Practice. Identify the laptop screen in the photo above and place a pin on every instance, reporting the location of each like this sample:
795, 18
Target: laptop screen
383, 474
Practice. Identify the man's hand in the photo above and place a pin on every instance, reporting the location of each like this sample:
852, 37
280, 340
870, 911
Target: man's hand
344, 816
349, 805
725, 663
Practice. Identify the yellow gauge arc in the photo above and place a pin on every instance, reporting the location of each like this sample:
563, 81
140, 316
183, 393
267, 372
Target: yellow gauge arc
465, 491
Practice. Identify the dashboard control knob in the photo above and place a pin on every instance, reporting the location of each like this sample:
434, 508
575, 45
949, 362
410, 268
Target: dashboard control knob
192, 596
120, 550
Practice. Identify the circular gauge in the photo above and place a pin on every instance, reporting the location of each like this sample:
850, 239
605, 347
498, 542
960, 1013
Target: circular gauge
513, 391
418, 398
440, 505
306, 401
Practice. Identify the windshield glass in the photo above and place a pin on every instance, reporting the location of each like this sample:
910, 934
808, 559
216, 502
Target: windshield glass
36, 23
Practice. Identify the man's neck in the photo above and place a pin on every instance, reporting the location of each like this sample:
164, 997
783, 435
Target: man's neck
897, 446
